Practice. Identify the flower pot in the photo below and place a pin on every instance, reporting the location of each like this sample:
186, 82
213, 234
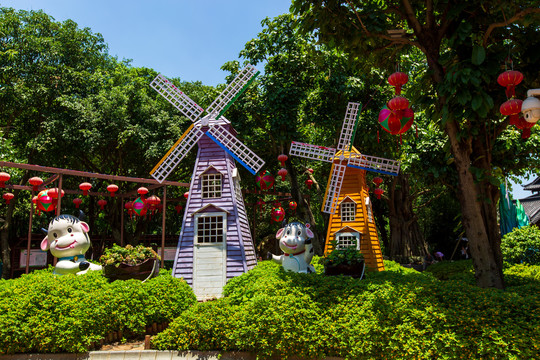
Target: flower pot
354, 270
144, 271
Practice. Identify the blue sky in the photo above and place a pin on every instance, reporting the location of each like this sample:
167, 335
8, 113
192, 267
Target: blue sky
179, 38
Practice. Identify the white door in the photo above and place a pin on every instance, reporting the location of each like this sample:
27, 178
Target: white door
210, 255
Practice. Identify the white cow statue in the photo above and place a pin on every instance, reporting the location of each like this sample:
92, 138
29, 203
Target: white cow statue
295, 242
67, 238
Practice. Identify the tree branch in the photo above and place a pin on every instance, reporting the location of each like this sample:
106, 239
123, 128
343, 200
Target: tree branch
411, 18
513, 19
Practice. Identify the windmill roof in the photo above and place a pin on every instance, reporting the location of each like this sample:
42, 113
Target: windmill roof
347, 228
531, 205
533, 186
210, 206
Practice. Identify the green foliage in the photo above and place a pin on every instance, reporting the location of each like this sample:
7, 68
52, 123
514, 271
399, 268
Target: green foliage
453, 270
395, 314
348, 255
522, 245
131, 255
45, 313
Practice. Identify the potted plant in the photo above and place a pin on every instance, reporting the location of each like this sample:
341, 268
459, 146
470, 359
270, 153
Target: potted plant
130, 262
344, 261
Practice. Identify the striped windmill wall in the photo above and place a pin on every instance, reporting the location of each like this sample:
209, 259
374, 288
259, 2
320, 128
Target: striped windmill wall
354, 190
207, 267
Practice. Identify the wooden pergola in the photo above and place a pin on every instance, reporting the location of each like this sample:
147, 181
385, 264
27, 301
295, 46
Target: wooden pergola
58, 176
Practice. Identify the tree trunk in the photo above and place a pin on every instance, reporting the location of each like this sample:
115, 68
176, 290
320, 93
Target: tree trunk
406, 239
485, 251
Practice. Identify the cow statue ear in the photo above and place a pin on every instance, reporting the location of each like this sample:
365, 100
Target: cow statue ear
279, 233
84, 226
308, 231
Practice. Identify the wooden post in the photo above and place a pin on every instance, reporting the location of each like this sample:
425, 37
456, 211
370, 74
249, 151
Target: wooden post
59, 201
29, 233
122, 222
254, 222
163, 227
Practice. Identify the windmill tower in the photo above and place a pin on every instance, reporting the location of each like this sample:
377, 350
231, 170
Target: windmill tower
215, 242
347, 198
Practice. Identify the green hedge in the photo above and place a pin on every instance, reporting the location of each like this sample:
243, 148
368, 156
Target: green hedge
522, 245
41, 312
395, 314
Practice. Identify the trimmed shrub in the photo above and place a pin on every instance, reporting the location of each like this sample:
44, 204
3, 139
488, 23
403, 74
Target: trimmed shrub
45, 313
522, 246
395, 314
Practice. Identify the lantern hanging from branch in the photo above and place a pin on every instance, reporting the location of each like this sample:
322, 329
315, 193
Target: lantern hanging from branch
525, 126
35, 182
102, 203
510, 79
112, 188
282, 173
139, 207
53, 193
512, 108
396, 122
282, 158
397, 80
378, 192
186, 195
398, 103
8, 197
77, 202
265, 180
85, 187
309, 182
153, 203
129, 208
292, 205
310, 170
3, 178
377, 181
34, 201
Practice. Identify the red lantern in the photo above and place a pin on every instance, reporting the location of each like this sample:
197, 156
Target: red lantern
112, 189
186, 194
282, 158
310, 170
85, 187
260, 204
153, 202
129, 208
178, 208
378, 192
278, 214
525, 126
8, 197
142, 191
309, 182
292, 205
398, 103
377, 181
397, 80
265, 180
53, 193
102, 203
35, 182
45, 202
282, 173
511, 108
510, 79
3, 178
77, 202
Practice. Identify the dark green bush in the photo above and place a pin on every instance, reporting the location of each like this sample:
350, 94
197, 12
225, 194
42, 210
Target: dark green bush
522, 246
396, 314
45, 313
453, 270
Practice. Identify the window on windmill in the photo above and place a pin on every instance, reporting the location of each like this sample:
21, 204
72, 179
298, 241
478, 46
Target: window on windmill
210, 229
348, 211
345, 240
211, 186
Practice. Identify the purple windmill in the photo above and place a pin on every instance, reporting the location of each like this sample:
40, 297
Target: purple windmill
215, 242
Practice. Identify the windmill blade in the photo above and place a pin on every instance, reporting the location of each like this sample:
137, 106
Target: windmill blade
375, 164
235, 148
348, 129
176, 97
228, 96
176, 153
312, 152
333, 189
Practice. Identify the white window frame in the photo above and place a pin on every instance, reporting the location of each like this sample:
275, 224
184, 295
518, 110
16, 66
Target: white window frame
209, 189
206, 219
347, 212
355, 235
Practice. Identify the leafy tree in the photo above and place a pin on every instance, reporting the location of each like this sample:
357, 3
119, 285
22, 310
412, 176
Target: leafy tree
463, 45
